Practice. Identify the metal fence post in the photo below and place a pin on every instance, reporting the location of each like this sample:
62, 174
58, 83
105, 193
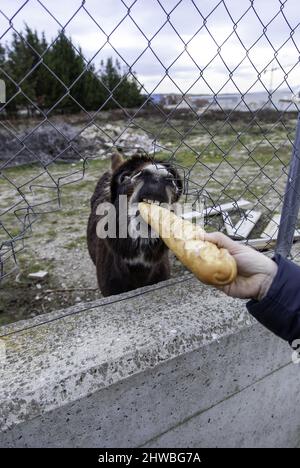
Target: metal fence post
291, 202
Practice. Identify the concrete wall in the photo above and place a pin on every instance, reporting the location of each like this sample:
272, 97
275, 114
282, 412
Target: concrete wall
173, 365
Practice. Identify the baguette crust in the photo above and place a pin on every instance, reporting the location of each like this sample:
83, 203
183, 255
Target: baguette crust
209, 264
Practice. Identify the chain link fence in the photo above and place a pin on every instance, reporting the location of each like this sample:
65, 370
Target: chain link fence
219, 91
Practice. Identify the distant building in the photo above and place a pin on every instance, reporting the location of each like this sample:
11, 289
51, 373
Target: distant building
278, 100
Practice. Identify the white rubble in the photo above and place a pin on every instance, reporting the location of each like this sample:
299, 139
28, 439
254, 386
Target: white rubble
38, 275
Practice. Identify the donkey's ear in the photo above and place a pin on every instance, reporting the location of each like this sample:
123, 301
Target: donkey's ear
116, 161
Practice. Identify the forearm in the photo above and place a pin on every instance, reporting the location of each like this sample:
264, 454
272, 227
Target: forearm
279, 309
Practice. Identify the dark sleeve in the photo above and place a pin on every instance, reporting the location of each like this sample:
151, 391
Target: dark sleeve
279, 310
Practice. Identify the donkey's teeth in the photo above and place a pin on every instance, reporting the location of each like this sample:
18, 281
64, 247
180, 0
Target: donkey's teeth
153, 202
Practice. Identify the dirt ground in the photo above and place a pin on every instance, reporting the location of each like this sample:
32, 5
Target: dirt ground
217, 162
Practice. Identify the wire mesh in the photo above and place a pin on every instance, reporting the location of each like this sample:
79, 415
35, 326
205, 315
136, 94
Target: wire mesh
221, 104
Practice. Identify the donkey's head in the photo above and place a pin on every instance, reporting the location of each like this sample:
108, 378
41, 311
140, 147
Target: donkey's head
141, 178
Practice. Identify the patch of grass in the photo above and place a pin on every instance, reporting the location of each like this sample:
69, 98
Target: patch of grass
185, 158
51, 234
23, 170
75, 243
71, 229
27, 266
84, 185
94, 165
71, 245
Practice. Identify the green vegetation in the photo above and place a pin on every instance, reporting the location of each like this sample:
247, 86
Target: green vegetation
56, 77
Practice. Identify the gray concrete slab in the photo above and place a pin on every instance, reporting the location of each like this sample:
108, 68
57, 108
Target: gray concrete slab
137, 368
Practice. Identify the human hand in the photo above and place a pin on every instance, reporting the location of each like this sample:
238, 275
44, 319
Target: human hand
255, 271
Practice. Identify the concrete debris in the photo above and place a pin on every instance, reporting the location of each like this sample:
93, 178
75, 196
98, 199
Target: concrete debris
69, 143
39, 275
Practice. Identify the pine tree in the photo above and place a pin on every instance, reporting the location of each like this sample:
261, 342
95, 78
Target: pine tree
129, 92
57, 78
24, 67
111, 78
122, 88
67, 65
94, 91
43, 77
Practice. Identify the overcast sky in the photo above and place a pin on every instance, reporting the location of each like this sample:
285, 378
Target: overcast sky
168, 39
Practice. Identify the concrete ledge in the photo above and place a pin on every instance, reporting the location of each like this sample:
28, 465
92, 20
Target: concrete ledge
175, 364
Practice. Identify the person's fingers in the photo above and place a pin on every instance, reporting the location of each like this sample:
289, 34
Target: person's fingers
234, 247
220, 240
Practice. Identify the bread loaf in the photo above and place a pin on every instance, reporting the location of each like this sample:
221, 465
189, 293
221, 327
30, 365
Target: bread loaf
209, 264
